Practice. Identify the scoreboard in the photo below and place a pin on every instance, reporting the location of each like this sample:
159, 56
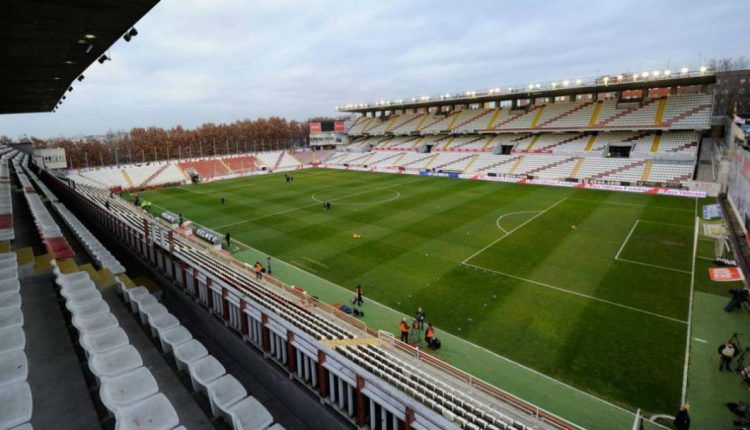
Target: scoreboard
327, 126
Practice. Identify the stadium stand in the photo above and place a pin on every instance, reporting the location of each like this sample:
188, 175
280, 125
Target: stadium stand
652, 140
331, 353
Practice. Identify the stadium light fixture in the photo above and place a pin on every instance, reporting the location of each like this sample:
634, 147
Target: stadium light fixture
578, 82
531, 86
667, 72
56, 78
554, 85
655, 73
80, 78
103, 58
69, 62
538, 85
566, 83
644, 74
89, 36
684, 70
130, 34
619, 77
703, 69
606, 80
89, 48
497, 90
70, 89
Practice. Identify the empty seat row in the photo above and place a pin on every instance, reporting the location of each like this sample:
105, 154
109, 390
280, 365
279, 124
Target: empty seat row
16, 403
126, 388
93, 246
227, 397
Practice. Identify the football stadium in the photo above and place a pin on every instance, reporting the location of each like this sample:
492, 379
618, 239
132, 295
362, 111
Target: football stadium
560, 255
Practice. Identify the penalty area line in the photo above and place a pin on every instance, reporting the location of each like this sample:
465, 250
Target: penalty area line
576, 293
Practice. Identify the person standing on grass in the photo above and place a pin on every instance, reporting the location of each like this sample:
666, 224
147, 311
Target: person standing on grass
268, 264
682, 419
727, 352
358, 292
228, 238
404, 331
222, 200
420, 318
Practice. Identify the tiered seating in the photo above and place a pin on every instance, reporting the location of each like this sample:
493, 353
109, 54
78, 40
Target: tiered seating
286, 161
16, 404
680, 111
48, 230
6, 201
241, 163
473, 120
96, 250
688, 111
268, 159
432, 392
105, 177
206, 168
453, 161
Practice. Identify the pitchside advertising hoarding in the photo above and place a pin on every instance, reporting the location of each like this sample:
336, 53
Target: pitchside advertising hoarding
509, 179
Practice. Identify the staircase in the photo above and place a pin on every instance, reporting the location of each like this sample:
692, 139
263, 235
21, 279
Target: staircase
391, 123
647, 170
590, 144
564, 114
686, 114
660, 112
127, 178
353, 160
551, 165
491, 124
155, 174
473, 118
537, 117
577, 167
618, 169
656, 142
440, 166
595, 114
278, 160
499, 163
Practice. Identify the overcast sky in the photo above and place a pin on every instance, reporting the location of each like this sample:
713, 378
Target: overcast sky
196, 61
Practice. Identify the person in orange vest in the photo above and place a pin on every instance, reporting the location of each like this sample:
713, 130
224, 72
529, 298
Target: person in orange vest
429, 334
404, 331
258, 270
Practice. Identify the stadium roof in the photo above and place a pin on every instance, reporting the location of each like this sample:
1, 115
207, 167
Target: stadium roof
46, 44
598, 84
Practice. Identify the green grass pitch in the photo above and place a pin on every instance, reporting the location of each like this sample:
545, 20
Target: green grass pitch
589, 287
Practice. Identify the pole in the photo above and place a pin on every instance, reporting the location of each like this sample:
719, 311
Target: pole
101, 161
86, 154
214, 146
143, 155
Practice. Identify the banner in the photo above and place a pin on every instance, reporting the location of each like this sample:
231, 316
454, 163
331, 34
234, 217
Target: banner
725, 274
315, 127
338, 126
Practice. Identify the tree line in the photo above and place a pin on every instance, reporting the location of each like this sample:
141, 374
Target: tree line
143, 145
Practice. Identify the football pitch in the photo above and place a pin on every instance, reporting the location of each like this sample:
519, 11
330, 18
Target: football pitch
589, 287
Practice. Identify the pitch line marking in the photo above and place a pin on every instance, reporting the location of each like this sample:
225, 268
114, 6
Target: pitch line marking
666, 223
683, 399
457, 338
632, 229
513, 230
579, 294
389, 199
497, 222
697, 339
311, 205
630, 204
687, 272
627, 238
